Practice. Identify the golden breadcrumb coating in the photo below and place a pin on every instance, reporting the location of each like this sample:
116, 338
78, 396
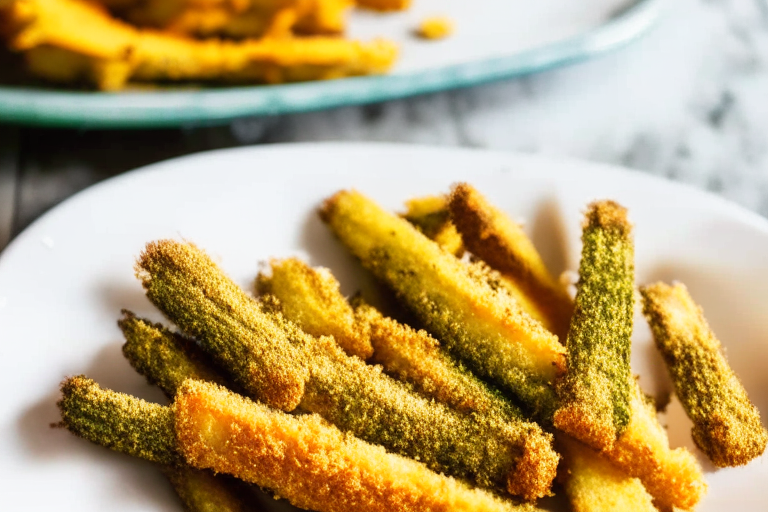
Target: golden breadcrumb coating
360, 399
485, 328
191, 290
309, 462
726, 425
76, 40
202, 491
500, 242
165, 358
673, 477
595, 485
117, 421
385, 5
238, 18
311, 299
595, 391
436, 27
416, 358
431, 216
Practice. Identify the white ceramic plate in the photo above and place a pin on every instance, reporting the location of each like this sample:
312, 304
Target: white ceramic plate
494, 39
64, 280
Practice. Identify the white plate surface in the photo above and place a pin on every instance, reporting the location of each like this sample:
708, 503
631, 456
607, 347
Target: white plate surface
64, 280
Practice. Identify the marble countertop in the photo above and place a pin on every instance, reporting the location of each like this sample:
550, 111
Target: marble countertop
689, 102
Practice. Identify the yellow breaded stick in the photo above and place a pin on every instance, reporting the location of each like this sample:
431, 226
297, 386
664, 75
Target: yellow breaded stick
103, 50
415, 357
241, 18
308, 461
595, 485
431, 216
167, 360
595, 391
482, 326
193, 292
501, 243
672, 477
311, 299
726, 425
302, 458
385, 5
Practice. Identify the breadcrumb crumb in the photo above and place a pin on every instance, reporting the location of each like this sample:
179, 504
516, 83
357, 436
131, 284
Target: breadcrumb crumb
726, 425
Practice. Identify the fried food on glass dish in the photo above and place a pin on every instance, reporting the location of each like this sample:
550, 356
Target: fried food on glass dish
74, 41
235, 18
726, 425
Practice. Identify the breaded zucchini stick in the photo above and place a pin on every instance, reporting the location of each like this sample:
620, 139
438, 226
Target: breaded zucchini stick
415, 357
501, 243
118, 421
311, 299
673, 477
75, 40
595, 485
595, 391
484, 327
167, 359
726, 425
193, 292
302, 458
431, 216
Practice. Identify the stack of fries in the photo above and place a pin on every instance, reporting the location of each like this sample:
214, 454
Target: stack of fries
110, 43
337, 407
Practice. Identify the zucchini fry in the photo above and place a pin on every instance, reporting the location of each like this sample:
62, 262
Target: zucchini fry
483, 327
595, 391
167, 359
415, 357
118, 421
726, 425
302, 458
431, 216
308, 461
75, 40
193, 292
595, 485
502, 244
310, 298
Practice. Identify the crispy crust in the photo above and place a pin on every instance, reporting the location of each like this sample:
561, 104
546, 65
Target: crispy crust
595, 485
595, 391
482, 326
726, 425
673, 477
107, 52
308, 461
191, 290
501, 243
311, 299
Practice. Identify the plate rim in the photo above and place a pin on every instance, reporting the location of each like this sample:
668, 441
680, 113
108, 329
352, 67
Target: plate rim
750, 218
41, 107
